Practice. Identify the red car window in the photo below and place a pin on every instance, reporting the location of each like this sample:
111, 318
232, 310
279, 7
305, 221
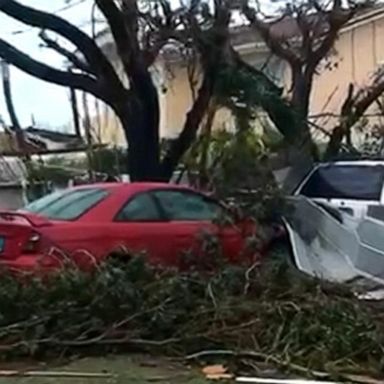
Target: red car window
141, 208
187, 206
68, 205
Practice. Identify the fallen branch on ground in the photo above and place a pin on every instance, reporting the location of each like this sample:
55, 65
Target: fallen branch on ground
268, 309
56, 374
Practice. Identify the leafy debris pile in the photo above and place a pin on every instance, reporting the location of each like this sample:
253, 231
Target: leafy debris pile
269, 309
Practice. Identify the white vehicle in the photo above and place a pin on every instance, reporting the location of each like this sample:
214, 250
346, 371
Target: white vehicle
354, 187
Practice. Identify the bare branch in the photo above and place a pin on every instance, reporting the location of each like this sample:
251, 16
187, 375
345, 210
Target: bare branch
81, 40
47, 73
73, 58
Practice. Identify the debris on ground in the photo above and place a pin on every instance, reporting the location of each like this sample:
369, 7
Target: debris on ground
276, 315
56, 374
216, 372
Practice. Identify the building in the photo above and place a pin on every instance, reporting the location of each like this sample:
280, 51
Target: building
358, 55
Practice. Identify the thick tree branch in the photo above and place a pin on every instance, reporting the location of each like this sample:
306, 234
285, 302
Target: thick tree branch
126, 41
44, 72
273, 43
191, 126
337, 18
279, 110
70, 56
123, 27
354, 108
81, 40
371, 95
215, 51
305, 29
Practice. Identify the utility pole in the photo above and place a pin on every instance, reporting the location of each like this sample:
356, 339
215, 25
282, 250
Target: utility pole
75, 111
88, 136
16, 127
15, 124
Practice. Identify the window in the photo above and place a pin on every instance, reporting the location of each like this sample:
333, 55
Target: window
140, 208
39, 204
185, 206
356, 182
67, 205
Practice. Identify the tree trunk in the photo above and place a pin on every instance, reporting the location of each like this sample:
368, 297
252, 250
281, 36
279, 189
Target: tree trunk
143, 148
301, 151
140, 118
301, 94
207, 136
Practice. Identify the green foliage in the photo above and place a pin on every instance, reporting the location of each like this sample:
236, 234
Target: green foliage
245, 91
270, 309
50, 173
239, 172
60, 169
112, 161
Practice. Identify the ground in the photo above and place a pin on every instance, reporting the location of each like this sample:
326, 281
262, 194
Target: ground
126, 369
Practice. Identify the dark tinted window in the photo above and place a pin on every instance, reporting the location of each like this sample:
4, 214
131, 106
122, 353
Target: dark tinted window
185, 206
345, 182
67, 205
140, 208
376, 212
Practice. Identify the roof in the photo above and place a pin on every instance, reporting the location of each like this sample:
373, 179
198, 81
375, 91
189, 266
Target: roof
134, 187
38, 141
53, 135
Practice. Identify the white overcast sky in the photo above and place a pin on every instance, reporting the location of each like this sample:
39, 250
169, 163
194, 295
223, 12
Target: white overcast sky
48, 103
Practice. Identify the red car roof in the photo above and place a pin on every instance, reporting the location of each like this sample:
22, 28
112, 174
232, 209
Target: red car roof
134, 187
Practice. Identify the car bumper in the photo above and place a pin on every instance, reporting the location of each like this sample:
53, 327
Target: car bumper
27, 264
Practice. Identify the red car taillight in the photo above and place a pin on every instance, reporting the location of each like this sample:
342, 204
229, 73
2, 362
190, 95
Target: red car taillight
32, 244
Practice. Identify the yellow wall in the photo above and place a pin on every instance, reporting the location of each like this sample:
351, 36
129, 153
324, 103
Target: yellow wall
359, 52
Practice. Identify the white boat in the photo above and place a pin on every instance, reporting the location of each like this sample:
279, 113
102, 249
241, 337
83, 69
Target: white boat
330, 244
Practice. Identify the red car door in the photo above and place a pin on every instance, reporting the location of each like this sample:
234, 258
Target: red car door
140, 227
192, 225
239, 241
175, 226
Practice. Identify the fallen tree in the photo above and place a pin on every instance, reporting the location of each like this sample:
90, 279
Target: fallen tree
268, 309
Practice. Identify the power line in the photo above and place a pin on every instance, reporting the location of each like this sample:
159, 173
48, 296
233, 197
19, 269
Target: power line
58, 11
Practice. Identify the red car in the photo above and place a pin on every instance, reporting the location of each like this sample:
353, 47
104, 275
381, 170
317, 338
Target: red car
90, 223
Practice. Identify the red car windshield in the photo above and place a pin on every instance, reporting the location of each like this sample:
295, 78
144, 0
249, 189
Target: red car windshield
67, 205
